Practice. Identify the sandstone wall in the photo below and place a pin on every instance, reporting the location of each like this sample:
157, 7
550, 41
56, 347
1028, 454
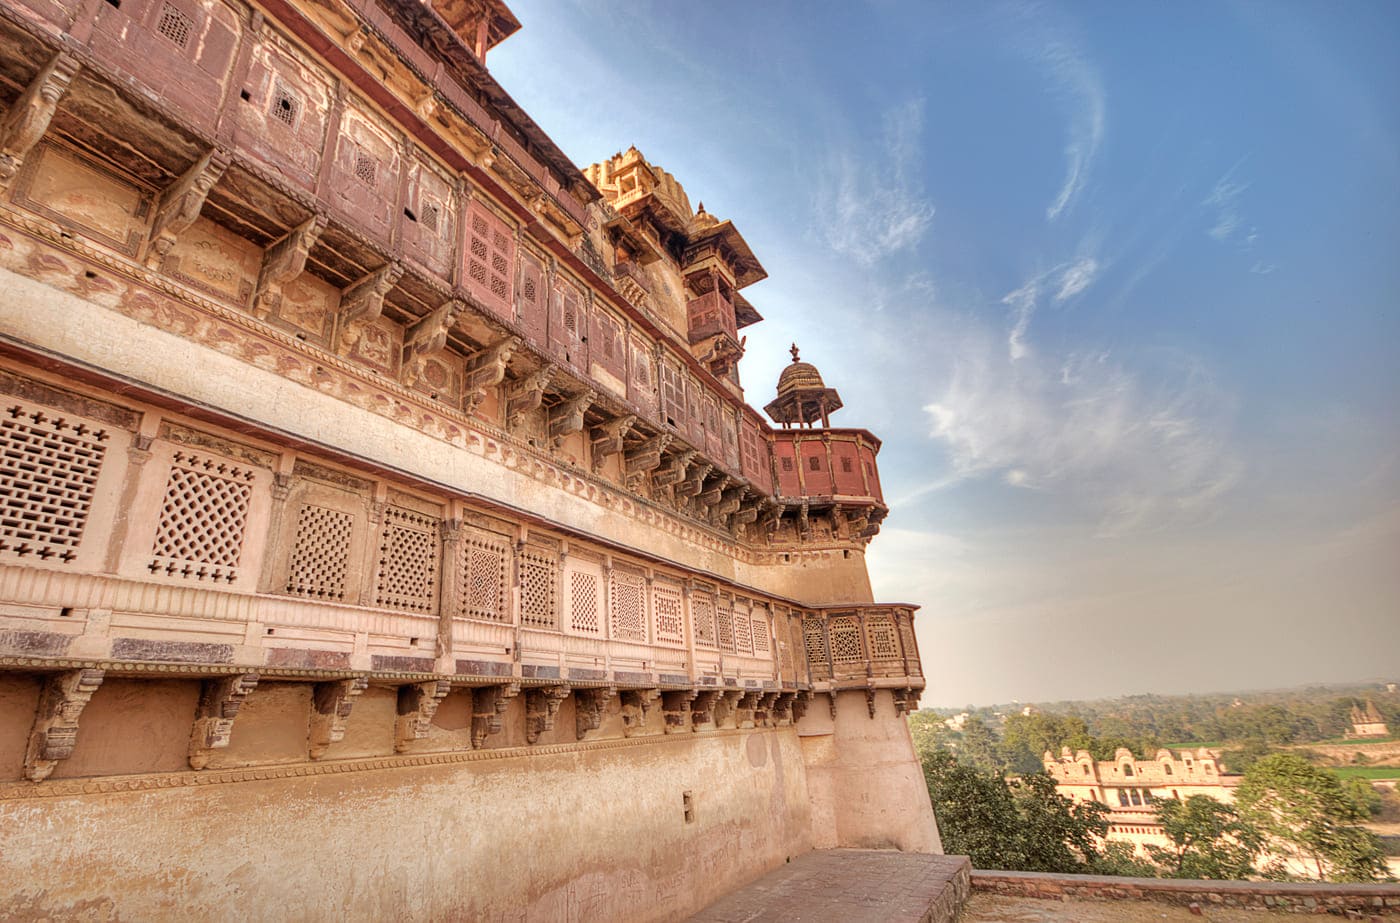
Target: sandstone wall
593, 831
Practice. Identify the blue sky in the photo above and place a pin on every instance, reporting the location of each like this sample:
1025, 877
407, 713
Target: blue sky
1117, 284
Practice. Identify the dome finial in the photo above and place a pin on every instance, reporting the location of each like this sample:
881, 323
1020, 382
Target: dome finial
794, 352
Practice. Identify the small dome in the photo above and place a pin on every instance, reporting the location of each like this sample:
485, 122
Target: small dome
798, 376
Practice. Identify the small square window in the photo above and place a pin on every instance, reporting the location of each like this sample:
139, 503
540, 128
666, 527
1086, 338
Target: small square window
175, 25
366, 168
285, 107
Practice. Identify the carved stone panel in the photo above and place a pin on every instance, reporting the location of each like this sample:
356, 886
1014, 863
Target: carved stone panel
66, 186
429, 221
216, 261
365, 173
283, 110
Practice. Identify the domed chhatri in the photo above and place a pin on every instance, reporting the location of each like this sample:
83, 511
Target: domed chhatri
803, 398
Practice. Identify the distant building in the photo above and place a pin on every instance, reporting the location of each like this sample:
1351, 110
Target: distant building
957, 722
1367, 722
1128, 786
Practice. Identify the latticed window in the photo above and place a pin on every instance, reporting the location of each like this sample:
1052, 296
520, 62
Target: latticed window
845, 640
285, 106
670, 618
702, 616
814, 640
584, 603
490, 256
321, 554
202, 519
884, 641
743, 629
627, 597
484, 580
430, 216
672, 393
175, 25
761, 643
48, 470
724, 626
408, 561
539, 579
906, 634
366, 168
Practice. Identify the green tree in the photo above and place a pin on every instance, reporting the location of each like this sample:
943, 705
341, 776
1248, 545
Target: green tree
1208, 840
1308, 817
1023, 825
1025, 738
929, 732
977, 746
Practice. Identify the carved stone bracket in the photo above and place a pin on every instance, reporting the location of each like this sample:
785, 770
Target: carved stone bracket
799, 706
181, 203
712, 494
906, 700
763, 713
487, 369
330, 709
831, 703
674, 472
636, 705
695, 479
727, 705
418, 703
608, 438
426, 336
527, 394
219, 703
489, 704
870, 700
55, 732
746, 709
283, 262
589, 705
27, 120
647, 456
362, 302
675, 709
541, 705
566, 418
702, 710
783, 709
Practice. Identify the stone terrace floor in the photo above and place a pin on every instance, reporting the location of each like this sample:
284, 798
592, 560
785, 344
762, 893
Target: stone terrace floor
848, 885
998, 908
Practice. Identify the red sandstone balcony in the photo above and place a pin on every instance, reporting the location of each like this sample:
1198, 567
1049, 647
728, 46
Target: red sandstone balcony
828, 464
711, 314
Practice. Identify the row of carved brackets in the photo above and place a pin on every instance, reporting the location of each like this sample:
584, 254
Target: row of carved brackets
64, 695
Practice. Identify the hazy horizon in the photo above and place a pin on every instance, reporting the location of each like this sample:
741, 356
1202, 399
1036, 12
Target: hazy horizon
1116, 287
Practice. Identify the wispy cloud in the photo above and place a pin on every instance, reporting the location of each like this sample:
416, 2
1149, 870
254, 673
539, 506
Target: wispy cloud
1224, 204
1066, 280
1078, 81
1085, 424
872, 202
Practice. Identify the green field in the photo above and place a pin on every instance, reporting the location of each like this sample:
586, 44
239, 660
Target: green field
1368, 772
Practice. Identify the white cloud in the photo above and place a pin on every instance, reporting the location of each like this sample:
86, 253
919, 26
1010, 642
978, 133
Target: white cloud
872, 202
1134, 454
1068, 280
1224, 201
1077, 80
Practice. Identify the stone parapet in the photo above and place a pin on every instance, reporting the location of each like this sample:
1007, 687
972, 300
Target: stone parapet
1298, 897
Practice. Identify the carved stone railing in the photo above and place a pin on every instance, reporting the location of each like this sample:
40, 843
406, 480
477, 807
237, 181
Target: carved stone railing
863, 647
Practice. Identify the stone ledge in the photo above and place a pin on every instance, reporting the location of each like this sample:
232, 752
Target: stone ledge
1298, 897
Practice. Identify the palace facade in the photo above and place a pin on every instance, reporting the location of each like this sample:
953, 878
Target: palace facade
383, 529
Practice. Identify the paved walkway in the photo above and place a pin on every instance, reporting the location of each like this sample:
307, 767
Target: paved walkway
850, 886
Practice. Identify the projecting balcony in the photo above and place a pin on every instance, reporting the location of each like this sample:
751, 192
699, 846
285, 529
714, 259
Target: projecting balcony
711, 314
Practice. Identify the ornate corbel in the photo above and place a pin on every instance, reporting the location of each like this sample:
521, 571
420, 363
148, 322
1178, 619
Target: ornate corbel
426, 336
636, 705
695, 479
330, 709
418, 703
870, 700
674, 472
489, 704
487, 368
283, 262
831, 703
702, 710
647, 456
362, 302
589, 705
527, 394
27, 120
746, 708
541, 705
566, 417
675, 709
763, 712
783, 708
799, 705
727, 705
608, 439
219, 703
55, 732
181, 202
711, 495
901, 700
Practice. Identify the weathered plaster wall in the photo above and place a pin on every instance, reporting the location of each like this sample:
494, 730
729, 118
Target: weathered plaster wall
574, 834
866, 787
